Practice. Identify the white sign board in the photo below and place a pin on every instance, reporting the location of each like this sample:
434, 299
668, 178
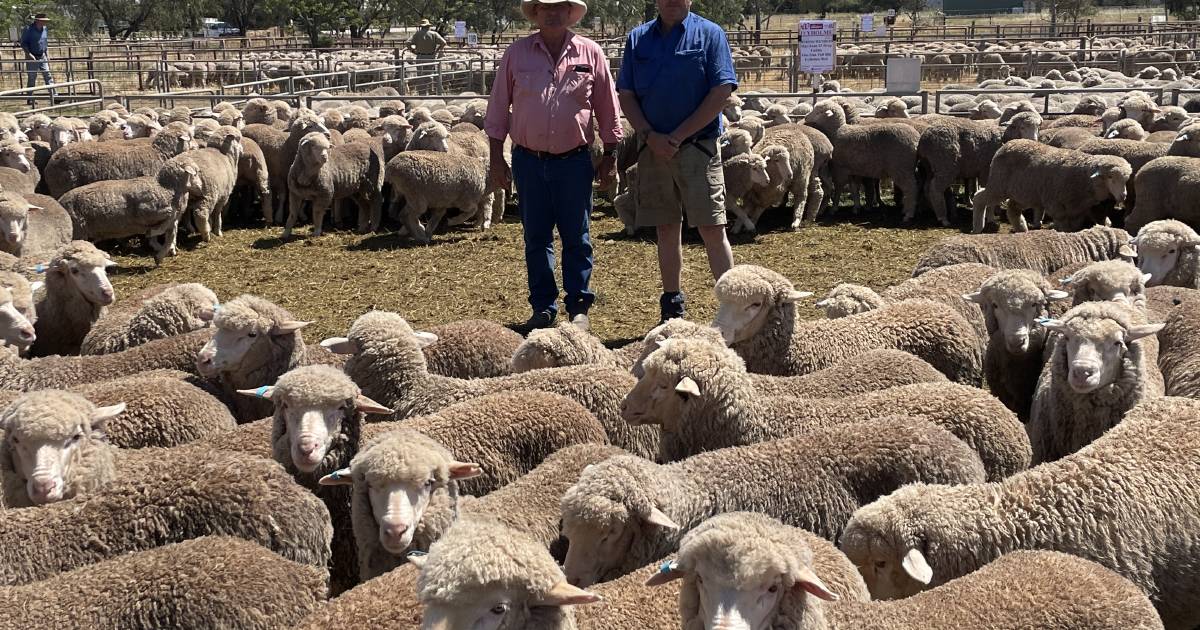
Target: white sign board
868, 22
1018, 10
1157, 19
472, 39
903, 75
818, 53
460, 29
881, 30
891, 13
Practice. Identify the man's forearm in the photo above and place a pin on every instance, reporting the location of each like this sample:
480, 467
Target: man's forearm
708, 111
496, 147
633, 111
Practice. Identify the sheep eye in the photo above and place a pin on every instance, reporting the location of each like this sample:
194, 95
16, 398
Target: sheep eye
1171, 251
756, 305
252, 335
774, 588
75, 270
16, 440
429, 483
881, 564
499, 609
74, 438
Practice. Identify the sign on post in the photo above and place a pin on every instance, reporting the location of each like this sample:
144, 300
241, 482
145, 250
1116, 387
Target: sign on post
868, 22
460, 29
903, 75
818, 52
881, 30
472, 38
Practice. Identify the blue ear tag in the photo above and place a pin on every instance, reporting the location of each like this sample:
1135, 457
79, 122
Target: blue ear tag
416, 554
667, 566
261, 391
40, 268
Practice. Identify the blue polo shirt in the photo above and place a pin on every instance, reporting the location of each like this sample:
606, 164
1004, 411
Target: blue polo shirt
671, 74
34, 40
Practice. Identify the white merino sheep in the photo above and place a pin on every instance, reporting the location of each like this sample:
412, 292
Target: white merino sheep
439, 181
1127, 501
1103, 363
1169, 251
76, 292
155, 313
324, 174
32, 225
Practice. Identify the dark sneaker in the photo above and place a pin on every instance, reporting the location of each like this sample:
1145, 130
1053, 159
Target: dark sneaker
671, 306
541, 319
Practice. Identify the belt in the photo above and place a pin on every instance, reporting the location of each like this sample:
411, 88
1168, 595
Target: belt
546, 155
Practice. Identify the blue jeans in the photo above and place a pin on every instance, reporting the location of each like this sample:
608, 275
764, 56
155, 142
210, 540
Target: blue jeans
34, 65
556, 193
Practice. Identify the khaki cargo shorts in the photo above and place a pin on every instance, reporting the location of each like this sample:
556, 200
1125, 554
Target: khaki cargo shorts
692, 184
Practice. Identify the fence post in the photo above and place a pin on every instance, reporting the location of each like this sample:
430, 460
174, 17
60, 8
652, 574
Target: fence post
440, 89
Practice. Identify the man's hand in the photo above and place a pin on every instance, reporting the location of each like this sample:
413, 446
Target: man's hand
660, 146
606, 172
499, 172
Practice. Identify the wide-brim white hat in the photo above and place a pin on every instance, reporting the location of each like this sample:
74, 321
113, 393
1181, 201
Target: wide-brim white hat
578, 9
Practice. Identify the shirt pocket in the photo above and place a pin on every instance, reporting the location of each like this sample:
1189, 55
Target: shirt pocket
531, 83
686, 68
578, 87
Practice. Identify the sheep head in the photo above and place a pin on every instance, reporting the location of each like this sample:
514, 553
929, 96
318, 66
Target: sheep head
749, 295
430, 136
141, 126
37, 127
681, 373
83, 267
741, 571
1110, 176
396, 477
1172, 117
259, 110
229, 141
891, 540
248, 328
611, 509
314, 149
850, 299
52, 440
306, 122
986, 110
1012, 302
1014, 108
777, 167
172, 141
12, 155
522, 586
1097, 338
564, 345
1126, 129
1023, 126
16, 330
1110, 280
673, 329
316, 421
1162, 245
827, 115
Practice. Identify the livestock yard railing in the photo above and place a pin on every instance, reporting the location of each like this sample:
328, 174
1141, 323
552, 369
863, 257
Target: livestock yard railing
68, 97
1159, 95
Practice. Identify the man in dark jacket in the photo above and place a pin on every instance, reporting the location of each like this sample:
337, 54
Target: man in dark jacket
35, 43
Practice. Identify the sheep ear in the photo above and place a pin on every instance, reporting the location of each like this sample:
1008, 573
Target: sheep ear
288, 327
1192, 243
564, 594
916, 567
424, 338
340, 477
265, 391
1096, 173
465, 470
33, 208
1055, 294
824, 303
417, 559
1055, 325
795, 296
102, 415
366, 405
976, 297
1144, 330
656, 517
829, 113
109, 263
687, 386
339, 345
1127, 252
1146, 278
668, 571
809, 582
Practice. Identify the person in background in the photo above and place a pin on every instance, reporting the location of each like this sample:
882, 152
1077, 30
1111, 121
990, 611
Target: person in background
35, 42
556, 82
675, 76
427, 44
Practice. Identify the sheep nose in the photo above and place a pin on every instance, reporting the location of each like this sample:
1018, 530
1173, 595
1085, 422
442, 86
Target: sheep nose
43, 486
394, 530
27, 334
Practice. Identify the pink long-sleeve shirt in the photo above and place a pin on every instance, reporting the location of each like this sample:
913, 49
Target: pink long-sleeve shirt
553, 102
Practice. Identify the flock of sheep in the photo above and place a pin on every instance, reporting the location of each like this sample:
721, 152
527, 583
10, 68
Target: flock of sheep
1007, 439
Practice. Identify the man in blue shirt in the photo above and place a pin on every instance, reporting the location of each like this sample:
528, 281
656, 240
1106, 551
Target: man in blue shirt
35, 43
675, 77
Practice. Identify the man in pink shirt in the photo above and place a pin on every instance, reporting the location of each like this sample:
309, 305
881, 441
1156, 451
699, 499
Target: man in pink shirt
556, 82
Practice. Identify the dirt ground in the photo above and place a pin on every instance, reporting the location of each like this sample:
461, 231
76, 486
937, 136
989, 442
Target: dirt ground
467, 274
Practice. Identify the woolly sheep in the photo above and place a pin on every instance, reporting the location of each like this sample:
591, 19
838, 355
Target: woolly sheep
17, 316
743, 173
436, 180
76, 292
473, 348
797, 177
1178, 356
217, 169
1063, 184
279, 149
173, 353
1012, 301
85, 162
701, 396
1109, 280
757, 317
871, 151
748, 571
214, 581
387, 363
323, 175
32, 225
429, 136
156, 313
255, 342
161, 496
253, 174
1043, 251
735, 142
626, 511
161, 409
53, 448
1104, 361
17, 173
1139, 476
961, 149
1169, 251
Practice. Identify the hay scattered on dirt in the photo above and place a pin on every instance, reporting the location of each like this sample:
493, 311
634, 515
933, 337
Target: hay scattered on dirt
470, 274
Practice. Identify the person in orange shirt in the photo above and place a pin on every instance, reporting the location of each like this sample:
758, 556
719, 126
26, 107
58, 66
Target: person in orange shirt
555, 82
